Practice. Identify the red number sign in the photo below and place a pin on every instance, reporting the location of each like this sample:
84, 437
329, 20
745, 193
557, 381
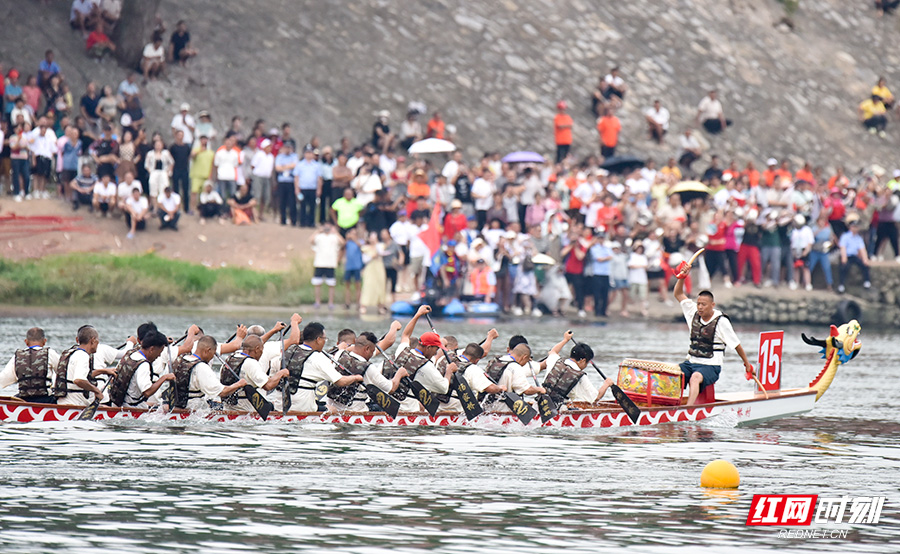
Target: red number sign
769, 368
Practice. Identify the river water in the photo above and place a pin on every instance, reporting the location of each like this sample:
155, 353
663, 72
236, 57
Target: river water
196, 486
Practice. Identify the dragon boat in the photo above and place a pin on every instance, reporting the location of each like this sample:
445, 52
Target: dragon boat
649, 384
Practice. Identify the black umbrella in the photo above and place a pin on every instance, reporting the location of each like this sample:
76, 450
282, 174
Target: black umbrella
622, 164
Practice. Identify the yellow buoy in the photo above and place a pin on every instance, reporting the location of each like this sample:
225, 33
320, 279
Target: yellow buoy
720, 474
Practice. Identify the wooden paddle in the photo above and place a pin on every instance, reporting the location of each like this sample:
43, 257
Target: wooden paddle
91, 409
168, 395
286, 399
628, 406
546, 406
259, 402
690, 262
389, 404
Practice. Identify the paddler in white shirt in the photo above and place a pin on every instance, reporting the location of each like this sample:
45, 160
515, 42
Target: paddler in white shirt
194, 332
308, 365
271, 356
414, 356
245, 364
511, 370
134, 381
81, 377
195, 381
33, 368
468, 363
356, 360
567, 381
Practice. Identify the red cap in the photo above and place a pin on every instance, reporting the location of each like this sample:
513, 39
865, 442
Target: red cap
13, 73
561, 105
430, 339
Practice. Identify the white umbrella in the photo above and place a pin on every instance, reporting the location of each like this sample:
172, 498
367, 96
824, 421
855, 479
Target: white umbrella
432, 146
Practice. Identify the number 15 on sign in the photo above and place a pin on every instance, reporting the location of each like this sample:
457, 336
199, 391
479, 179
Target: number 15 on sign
769, 368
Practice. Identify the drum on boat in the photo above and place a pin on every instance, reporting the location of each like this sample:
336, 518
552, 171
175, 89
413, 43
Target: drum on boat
651, 382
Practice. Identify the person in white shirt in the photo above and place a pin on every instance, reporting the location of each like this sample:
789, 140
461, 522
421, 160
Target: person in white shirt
637, 276
123, 191
42, 143
104, 195
153, 59
195, 381
227, 160
184, 121
135, 380
33, 368
711, 115
160, 165
210, 203
262, 167
467, 362
168, 209
483, 190
80, 375
271, 356
657, 121
137, 210
355, 360
245, 365
327, 244
451, 168
567, 381
711, 334
419, 363
512, 371
802, 240
690, 149
307, 365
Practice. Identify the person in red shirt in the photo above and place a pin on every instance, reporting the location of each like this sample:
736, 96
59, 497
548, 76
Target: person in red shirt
574, 255
608, 126
608, 215
562, 131
783, 172
455, 221
715, 249
435, 127
98, 44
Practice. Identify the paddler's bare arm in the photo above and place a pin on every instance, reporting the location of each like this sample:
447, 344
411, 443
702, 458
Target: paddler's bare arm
348, 380
390, 337
294, 337
155, 386
748, 367
411, 326
279, 325
275, 378
557, 348
188, 344
604, 386
230, 389
235, 343
489, 340
87, 385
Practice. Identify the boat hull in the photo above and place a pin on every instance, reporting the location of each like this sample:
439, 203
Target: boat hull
738, 408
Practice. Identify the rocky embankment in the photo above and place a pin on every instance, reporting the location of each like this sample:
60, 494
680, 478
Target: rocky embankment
496, 69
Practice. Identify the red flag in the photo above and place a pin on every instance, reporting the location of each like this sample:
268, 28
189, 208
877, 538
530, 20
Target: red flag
432, 235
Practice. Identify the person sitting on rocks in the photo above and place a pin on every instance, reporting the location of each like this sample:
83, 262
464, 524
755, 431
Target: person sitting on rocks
180, 49
613, 88
880, 89
137, 211
657, 121
690, 149
104, 196
886, 6
711, 115
153, 60
168, 206
872, 115
98, 44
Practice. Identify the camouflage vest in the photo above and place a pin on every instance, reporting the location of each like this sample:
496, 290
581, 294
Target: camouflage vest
461, 366
33, 372
118, 388
561, 379
61, 388
296, 359
496, 367
183, 368
412, 362
227, 378
703, 337
351, 366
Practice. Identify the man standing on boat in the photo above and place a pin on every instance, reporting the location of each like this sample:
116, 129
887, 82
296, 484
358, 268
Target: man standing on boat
33, 368
711, 334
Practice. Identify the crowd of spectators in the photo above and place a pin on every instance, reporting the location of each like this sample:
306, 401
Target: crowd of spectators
533, 237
